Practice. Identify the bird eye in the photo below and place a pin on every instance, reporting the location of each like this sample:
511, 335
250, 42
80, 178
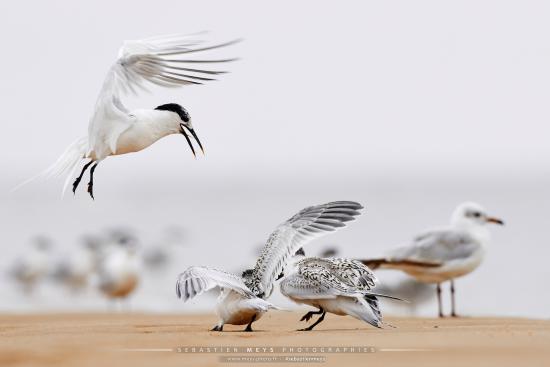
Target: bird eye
476, 214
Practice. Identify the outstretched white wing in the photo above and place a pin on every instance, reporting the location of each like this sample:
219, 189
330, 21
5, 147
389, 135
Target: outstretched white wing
166, 61
438, 246
309, 223
199, 279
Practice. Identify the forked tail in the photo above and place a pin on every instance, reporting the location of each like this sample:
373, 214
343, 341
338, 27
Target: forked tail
67, 164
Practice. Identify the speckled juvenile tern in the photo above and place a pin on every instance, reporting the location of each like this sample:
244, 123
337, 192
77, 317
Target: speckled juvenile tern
242, 298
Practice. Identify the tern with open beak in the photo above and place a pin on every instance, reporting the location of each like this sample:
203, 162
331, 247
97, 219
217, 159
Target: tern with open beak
113, 129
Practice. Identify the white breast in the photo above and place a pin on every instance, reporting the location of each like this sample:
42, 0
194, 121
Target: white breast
149, 126
233, 309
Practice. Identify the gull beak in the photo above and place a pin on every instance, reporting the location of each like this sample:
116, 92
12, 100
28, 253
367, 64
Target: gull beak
183, 127
495, 220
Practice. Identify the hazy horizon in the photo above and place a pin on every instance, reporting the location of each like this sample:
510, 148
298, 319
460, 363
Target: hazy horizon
408, 108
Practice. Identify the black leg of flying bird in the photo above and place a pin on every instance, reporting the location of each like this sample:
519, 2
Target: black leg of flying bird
319, 320
453, 305
249, 326
439, 303
91, 183
79, 178
188, 140
310, 314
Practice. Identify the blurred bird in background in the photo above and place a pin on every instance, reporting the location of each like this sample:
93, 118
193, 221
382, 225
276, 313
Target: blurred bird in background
330, 251
119, 266
159, 254
30, 268
76, 268
416, 293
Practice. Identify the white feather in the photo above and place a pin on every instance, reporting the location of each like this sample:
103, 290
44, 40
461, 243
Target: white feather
308, 224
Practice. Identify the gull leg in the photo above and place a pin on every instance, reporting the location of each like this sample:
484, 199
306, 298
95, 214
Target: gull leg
310, 314
249, 326
91, 183
319, 320
439, 303
77, 181
453, 305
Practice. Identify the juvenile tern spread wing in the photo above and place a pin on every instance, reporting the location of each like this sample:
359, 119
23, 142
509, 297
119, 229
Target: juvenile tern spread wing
199, 279
288, 237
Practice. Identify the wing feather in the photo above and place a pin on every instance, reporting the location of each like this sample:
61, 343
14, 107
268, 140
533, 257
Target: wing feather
155, 60
198, 279
152, 59
308, 224
437, 246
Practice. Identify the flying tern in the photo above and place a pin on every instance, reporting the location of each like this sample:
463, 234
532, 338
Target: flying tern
444, 254
113, 129
242, 298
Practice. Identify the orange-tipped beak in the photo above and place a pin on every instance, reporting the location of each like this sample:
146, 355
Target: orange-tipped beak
495, 220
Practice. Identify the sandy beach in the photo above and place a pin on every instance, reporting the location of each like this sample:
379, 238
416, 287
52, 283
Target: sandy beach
167, 340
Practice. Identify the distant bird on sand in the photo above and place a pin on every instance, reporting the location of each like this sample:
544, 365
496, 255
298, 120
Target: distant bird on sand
118, 271
76, 269
32, 266
158, 255
113, 129
446, 253
415, 292
331, 251
241, 300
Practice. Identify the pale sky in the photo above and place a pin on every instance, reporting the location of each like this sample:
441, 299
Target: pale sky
363, 86
409, 107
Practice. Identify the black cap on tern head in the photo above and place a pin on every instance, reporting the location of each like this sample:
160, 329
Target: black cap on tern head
176, 108
184, 116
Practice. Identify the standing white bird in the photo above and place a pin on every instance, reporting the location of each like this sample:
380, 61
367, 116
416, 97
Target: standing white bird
118, 271
241, 299
236, 304
76, 269
444, 254
33, 266
115, 130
